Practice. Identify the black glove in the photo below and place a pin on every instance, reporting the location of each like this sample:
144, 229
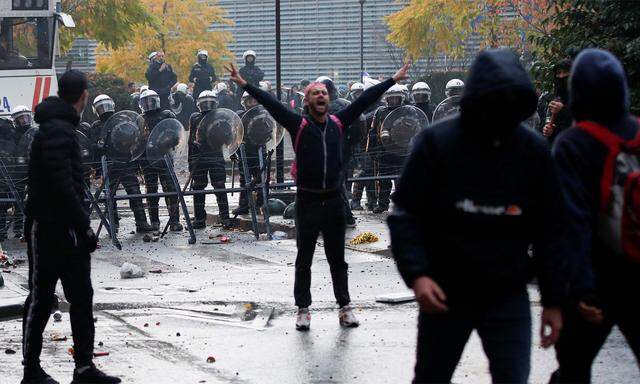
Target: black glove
89, 239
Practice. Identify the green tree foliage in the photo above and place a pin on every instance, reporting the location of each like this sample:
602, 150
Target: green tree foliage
109, 84
577, 24
110, 22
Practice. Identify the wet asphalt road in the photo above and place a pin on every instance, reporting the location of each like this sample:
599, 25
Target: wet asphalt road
214, 301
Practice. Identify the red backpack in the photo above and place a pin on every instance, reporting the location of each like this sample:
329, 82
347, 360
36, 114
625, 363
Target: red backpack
303, 124
619, 220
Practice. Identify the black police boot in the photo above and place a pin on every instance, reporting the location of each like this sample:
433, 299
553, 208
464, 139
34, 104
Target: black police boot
37, 375
355, 205
199, 223
144, 227
154, 217
380, 209
175, 227
93, 375
242, 210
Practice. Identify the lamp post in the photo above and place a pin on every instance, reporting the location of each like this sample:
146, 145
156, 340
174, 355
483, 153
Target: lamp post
361, 40
280, 147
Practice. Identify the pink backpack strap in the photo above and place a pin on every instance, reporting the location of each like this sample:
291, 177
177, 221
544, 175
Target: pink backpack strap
338, 123
303, 124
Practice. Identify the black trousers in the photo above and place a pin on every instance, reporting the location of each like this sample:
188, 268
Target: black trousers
153, 175
125, 175
504, 326
384, 197
315, 214
202, 172
366, 165
580, 341
54, 253
253, 163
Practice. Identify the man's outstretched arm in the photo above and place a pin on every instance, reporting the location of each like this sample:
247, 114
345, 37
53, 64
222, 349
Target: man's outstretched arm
370, 96
288, 119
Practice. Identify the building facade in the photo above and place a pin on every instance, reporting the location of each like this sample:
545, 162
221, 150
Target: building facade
318, 37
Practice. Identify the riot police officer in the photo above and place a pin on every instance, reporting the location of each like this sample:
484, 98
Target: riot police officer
225, 99
355, 91
155, 171
366, 163
450, 105
250, 71
182, 104
253, 163
202, 74
388, 163
7, 140
421, 94
120, 173
22, 121
206, 162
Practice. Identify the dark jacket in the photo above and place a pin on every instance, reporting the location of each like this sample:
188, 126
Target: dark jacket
599, 93
477, 191
319, 155
55, 187
202, 75
252, 74
387, 158
199, 149
161, 81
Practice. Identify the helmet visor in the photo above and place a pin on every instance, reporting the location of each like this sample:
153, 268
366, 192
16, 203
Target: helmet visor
23, 119
104, 106
150, 103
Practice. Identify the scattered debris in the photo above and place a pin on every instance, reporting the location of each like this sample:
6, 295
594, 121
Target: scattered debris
57, 316
364, 238
211, 359
178, 334
392, 298
146, 325
155, 271
132, 232
9, 351
101, 344
155, 239
279, 235
158, 323
131, 271
100, 354
146, 238
56, 337
1, 281
71, 351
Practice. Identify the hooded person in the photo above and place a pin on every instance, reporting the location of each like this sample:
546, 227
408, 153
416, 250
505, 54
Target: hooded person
477, 191
602, 275
202, 75
555, 116
161, 78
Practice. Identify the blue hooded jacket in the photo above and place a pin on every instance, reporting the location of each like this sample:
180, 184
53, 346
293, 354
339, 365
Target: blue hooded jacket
599, 93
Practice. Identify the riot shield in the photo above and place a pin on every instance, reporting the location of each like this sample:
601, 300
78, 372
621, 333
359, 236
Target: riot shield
123, 136
86, 153
7, 142
261, 129
23, 151
399, 128
167, 138
446, 108
221, 128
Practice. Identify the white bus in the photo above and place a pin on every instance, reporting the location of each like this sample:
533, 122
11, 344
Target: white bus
28, 44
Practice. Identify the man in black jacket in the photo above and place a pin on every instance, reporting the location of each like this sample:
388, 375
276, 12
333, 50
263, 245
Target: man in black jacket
202, 74
58, 233
161, 78
555, 115
318, 142
603, 284
475, 193
250, 72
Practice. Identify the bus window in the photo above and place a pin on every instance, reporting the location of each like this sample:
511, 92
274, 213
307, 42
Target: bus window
26, 43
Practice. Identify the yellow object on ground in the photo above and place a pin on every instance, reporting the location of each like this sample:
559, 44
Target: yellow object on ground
364, 238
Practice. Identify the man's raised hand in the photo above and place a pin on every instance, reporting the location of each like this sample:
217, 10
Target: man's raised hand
234, 75
402, 72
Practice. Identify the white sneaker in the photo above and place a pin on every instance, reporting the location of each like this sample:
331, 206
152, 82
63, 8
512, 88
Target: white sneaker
347, 318
303, 320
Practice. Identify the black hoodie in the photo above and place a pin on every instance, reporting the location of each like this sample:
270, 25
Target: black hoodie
477, 190
56, 194
598, 92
